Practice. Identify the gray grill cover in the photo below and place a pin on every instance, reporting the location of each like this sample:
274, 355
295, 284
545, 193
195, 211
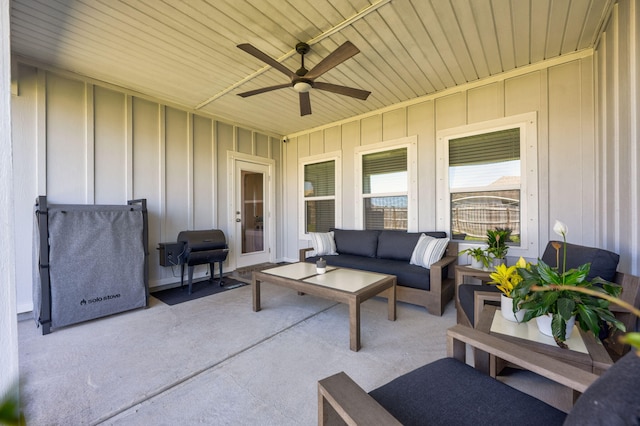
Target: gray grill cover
96, 262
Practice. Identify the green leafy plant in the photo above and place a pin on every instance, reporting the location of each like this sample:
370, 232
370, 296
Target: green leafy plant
544, 290
565, 293
10, 410
479, 254
497, 240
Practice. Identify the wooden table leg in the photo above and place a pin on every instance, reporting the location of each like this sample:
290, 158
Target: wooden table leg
255, 287
392, 302
354, 324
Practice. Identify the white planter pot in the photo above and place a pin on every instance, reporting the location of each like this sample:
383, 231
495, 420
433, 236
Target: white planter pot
506, 307
544, 325
477, 264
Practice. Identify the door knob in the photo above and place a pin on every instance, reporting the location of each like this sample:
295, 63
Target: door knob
238, 220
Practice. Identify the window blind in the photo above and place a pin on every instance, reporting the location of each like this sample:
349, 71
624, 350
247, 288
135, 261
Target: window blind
320, 179
320, 215
486, 148
384, 170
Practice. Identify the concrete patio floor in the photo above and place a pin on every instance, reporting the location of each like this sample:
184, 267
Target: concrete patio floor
215, 361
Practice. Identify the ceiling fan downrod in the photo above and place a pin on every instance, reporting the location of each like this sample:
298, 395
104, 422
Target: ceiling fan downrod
302, 48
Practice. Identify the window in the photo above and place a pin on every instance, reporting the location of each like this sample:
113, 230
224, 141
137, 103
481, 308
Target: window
319, 193
486, 184
386, 181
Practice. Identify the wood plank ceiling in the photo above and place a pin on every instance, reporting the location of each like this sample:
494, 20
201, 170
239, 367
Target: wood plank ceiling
184, 52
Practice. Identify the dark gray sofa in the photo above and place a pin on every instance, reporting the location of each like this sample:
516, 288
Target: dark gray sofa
389, 252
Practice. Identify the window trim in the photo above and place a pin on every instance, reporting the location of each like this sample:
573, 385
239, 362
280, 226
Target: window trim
337, 197
528, 124
409, 142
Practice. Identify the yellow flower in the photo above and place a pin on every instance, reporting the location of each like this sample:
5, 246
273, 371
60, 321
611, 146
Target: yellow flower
506, 277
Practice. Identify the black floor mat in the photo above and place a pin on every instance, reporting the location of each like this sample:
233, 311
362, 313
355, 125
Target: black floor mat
202, 288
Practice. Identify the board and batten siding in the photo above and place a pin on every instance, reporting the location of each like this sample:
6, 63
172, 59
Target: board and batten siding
82, 143
561, 94
9, 372
617, 75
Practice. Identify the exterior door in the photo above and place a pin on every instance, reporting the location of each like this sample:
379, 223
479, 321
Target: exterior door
252, 245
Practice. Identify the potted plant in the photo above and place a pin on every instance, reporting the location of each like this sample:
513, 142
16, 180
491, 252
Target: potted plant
321, 266
10, 413
506, 279
480, 257
564, 294
497, 240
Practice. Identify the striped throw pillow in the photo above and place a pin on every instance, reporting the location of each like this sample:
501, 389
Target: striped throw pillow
428, 251
323, 243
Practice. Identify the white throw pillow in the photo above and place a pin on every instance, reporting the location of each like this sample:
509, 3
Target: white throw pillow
323, 243
428, 250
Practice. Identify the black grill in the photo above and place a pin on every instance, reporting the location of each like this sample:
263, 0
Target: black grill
200, 247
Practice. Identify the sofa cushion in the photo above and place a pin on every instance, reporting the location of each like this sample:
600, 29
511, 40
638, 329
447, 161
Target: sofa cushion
603, 262
613, 398
357, 242
397, 245
406, 275
428, 251
449, 392
323, 243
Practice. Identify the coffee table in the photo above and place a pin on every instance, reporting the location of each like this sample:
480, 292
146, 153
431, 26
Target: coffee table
342, 285
584, 350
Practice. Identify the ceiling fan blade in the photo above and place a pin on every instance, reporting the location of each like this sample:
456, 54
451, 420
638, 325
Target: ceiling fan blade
342, 90
305, 103
263, 90
254, 51
335, 58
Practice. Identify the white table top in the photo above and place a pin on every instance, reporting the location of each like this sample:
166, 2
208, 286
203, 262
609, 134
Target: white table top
350, 280
529, 331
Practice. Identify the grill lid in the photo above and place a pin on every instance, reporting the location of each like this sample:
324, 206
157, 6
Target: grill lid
202, 240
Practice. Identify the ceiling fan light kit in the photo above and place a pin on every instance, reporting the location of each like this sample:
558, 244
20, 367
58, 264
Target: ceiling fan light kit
303, 80
302, 87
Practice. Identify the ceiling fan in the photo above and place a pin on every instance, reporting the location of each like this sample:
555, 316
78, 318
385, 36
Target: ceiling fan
303, 80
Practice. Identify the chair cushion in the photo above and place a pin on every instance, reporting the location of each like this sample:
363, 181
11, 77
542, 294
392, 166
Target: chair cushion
603, 262
613, 399
448, 392
358, 242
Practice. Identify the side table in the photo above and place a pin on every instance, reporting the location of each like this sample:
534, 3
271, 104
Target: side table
467, 271
594, 358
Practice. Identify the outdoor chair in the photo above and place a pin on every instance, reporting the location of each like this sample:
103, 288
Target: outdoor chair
449, 391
